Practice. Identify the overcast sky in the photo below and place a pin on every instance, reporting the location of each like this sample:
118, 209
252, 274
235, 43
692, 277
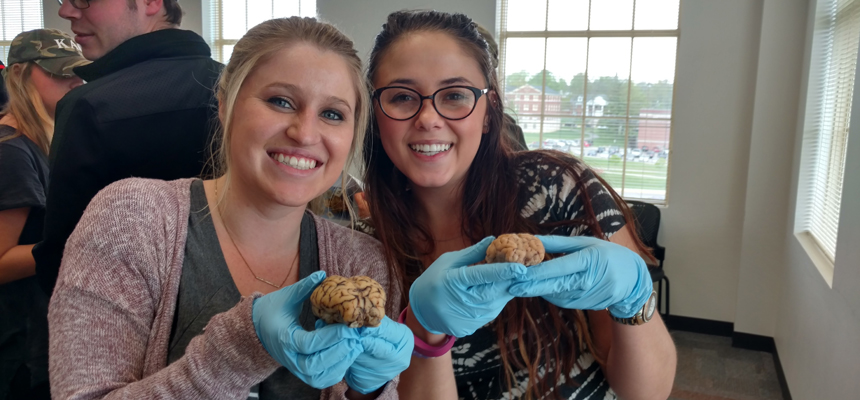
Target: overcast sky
653, 58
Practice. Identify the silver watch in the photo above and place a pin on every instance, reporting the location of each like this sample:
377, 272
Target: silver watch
642, 316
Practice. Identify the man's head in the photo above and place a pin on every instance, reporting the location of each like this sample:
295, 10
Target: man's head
102, 25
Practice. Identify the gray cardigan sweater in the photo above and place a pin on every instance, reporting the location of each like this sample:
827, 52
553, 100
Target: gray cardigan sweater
112, 309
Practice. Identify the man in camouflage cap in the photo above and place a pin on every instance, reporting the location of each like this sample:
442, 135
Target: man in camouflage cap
51, 49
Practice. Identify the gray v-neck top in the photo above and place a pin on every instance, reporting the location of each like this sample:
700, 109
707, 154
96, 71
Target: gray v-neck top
206, 288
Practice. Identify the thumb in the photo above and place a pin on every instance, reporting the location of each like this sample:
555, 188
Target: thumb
378, 347
469, 255
301, 290
567, 244
489, 273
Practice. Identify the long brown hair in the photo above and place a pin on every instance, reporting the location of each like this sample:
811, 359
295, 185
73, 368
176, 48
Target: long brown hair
255, 47
489, 207
26, 106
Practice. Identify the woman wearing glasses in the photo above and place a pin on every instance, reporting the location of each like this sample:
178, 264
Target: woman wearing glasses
440, 182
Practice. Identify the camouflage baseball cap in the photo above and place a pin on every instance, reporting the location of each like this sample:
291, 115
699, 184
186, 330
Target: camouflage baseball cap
52, 49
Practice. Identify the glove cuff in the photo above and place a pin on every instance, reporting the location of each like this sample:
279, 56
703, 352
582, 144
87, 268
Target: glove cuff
424, 350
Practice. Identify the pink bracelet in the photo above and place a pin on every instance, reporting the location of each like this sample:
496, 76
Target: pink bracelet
424, 350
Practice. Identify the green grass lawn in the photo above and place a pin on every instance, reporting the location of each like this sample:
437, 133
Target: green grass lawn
637, 175
597, 137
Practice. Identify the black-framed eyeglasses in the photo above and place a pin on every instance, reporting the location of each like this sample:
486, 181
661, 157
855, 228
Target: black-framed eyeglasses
453, 102
79, 4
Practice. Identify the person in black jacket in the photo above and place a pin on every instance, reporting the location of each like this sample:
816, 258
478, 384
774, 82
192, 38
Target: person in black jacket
146, 110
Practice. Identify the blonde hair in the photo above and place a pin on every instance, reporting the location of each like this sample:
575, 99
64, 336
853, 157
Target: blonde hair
26, 106
257, 45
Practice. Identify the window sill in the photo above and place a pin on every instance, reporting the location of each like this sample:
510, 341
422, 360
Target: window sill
818, 257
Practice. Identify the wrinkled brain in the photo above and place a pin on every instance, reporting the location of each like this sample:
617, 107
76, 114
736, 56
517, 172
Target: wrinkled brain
357, 301
520, 248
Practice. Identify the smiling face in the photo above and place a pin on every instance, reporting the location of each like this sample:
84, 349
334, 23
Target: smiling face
104, 25
292, 125
433, 152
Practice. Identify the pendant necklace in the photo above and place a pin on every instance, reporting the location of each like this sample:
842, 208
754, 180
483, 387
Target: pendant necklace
226, 229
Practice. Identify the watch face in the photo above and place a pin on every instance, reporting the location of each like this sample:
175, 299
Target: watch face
650, 306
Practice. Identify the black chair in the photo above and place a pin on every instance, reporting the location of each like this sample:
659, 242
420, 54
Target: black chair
648, 224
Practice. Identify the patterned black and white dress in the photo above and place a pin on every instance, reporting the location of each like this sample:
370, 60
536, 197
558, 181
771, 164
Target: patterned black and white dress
546, 195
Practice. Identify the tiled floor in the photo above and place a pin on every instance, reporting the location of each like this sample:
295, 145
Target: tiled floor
709, 368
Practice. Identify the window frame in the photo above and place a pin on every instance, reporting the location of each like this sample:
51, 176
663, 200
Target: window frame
4, 15
502, 34
213, 26
820, 122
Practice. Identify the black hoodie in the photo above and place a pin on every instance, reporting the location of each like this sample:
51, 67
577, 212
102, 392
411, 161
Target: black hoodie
147, 110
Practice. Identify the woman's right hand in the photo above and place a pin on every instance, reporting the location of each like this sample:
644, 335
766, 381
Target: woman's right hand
453, 298
321, 357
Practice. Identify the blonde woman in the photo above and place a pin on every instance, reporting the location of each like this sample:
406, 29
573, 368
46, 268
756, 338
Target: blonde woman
197, 289
38, 75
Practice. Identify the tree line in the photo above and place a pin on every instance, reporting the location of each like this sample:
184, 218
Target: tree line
645, 95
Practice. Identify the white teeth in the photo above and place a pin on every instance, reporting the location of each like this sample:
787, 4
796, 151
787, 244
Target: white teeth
295, 162
430, 149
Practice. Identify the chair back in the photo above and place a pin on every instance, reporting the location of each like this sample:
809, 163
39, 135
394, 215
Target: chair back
647, 218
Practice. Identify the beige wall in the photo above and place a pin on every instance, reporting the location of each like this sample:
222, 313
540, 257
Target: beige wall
362, 20
777, 291
713, 111
817, 328
768, 183
52, 20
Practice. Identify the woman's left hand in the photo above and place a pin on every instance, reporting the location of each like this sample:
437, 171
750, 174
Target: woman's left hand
593, 274
387, 353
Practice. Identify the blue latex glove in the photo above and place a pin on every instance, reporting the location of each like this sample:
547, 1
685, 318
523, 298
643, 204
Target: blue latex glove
452, 298
319, 358
387, 353
595, 275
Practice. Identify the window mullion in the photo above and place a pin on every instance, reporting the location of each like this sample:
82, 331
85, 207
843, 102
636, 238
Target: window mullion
543, 82
658, 97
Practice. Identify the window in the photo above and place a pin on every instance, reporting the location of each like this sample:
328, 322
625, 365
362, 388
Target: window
833, 63
606, 72
228, 20
17, 16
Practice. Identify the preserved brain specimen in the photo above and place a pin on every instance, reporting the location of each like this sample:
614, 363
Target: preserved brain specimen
520, 248
357, 301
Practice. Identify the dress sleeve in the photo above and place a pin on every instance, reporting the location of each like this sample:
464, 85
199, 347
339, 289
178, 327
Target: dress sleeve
111, 312
550, 195
20, 185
